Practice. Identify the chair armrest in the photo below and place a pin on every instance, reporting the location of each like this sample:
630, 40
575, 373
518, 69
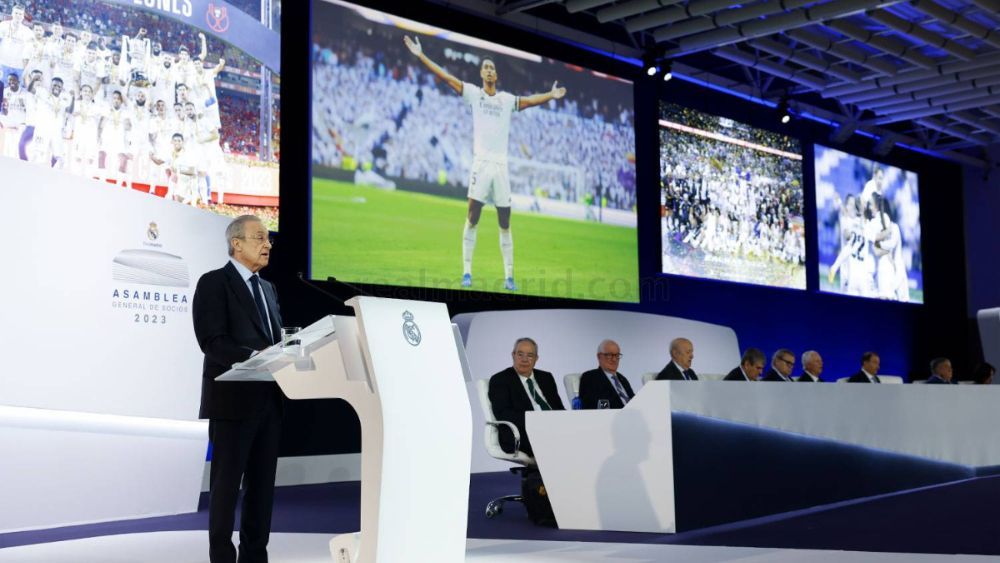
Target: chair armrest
513, 428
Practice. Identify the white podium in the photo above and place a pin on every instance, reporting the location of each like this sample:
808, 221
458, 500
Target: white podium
398, 365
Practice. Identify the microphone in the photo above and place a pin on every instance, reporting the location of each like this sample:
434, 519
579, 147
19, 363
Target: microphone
303, 279
357, 290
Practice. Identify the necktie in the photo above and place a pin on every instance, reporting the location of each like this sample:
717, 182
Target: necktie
537, 396
689, 374
619, 389
259, 300
875, 379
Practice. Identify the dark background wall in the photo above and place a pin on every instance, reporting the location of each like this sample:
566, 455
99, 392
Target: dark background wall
841, 328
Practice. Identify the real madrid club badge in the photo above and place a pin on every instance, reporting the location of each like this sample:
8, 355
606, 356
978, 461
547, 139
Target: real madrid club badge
410, 329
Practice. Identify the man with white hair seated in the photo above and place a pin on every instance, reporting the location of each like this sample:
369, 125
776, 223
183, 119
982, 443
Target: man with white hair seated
812, 367
604, 387
679, 368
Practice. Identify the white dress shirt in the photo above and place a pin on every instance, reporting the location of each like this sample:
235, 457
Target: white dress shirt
246, 274
538, 390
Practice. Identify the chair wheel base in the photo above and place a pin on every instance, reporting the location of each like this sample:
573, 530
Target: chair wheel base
493, 509
495, 506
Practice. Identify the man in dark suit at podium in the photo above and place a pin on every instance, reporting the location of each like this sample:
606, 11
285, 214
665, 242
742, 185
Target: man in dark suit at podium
604, 387
235, 315
519, 389
870, 362
751, 364
679, 367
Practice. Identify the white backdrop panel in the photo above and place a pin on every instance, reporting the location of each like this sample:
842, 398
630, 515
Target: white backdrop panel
567, 343
97, 299
62, 468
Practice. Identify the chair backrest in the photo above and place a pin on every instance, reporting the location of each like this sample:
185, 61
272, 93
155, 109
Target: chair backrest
648, 376
491, 438
890, 379
571, 381
491, 435
711, 376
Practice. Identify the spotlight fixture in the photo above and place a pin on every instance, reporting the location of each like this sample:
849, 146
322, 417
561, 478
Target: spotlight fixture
649, 63
783, 112
668, 71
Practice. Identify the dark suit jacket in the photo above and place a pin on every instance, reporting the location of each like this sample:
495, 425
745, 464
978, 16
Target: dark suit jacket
510, 401
859, 377
736, 375
594, 386
804, 378
673, 373
932, 380
228, 328
773, 375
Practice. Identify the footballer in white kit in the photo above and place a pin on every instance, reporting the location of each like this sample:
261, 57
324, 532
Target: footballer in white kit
489, 178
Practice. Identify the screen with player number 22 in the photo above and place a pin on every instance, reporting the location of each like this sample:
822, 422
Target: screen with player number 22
446, 161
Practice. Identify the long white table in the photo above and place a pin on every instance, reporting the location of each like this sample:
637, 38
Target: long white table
614, 469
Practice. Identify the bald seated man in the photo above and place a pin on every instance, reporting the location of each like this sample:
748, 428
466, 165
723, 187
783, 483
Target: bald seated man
679, 368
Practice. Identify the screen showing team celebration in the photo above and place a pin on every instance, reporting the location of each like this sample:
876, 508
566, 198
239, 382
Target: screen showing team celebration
731, 200
442, 160
868, 218
175, 99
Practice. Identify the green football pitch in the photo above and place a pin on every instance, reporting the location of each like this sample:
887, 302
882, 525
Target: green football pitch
364, 234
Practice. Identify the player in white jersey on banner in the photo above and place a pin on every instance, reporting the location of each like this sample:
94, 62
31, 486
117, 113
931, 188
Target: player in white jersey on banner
15, 37
87, 115
491, 115
183, 170
13, 116
114, 142
51, 106
140, 167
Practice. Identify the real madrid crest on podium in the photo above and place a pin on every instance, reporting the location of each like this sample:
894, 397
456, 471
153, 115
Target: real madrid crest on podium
410, 329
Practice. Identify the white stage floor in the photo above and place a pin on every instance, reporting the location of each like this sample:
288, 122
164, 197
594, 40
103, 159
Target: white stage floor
191, 547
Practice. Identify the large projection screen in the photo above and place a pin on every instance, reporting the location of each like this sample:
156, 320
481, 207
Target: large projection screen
731, 200
868, 218
398, 152
175, 99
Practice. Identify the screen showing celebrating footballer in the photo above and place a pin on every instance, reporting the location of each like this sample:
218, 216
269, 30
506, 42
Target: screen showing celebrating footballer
442, 160
731, 200
175, 99
868, 215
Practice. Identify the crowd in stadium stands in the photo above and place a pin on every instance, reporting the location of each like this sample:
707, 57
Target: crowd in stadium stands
727, 199
729, 128
134, 114
110, 22
268, 215
242, 118
386, 109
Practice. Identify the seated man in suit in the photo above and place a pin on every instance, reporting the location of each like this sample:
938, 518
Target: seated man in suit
519, 389
782, 364
751, 364
941, 372
604, 387
812, 364
870, 363
679, 368
982, 374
